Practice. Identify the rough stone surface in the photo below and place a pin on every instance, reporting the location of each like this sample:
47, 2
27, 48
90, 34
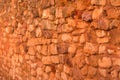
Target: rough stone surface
53, 49
59, 39
98, 2
115, 2
66, 37
97, 13
90, 48
105, 62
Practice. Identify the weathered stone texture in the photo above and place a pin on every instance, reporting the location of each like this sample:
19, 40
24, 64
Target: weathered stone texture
59, 39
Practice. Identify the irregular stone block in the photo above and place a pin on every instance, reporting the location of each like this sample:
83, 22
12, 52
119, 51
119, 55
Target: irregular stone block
82, 24
103, 72
116, 61
47, 34
82, 4
78, 32
97, 13
55, 59
66, 37
44, 50
82, 38
46, 60
53, 49
62, 48
71, 22
38, 32
87, 16
90, 48
92, 60
98, 2
34, 41
92, 71
100, 33
31, 51
102, 49
113, 13
72, 49
103, 40
37, 41
103, 24
67, 28
59, 12
105, 62
115, 2
46, 13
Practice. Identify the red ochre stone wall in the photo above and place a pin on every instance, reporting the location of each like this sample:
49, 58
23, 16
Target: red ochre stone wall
59, 39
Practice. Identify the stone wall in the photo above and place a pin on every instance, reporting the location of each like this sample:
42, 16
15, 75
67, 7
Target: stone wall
59, 39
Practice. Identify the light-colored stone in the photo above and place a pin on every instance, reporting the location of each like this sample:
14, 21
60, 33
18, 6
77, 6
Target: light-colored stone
90, 48
66, 37
31, 27
55, 59
66, 69
31, 50
115, 23
102, 49
116, 61
82, 38
9, 29
46, 13
21, 59
44, 50
45, 76
33, 41
53, 49
105, 62
38, 48
114, 74
71, 22
59, 13
54, 41
48, 69
62, 21
110, 51
38, 32
97, 13
115, 2
39, 71
113, 13
46, 60
103, 72
75, 39
98, 2
100, 33
46, 24
82, 4
92, 71
82, 24
67, 28
103, 40
37, 41
78, 32
64, 76
72, 49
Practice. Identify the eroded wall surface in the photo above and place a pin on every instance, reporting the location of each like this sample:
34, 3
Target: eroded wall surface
59, 39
